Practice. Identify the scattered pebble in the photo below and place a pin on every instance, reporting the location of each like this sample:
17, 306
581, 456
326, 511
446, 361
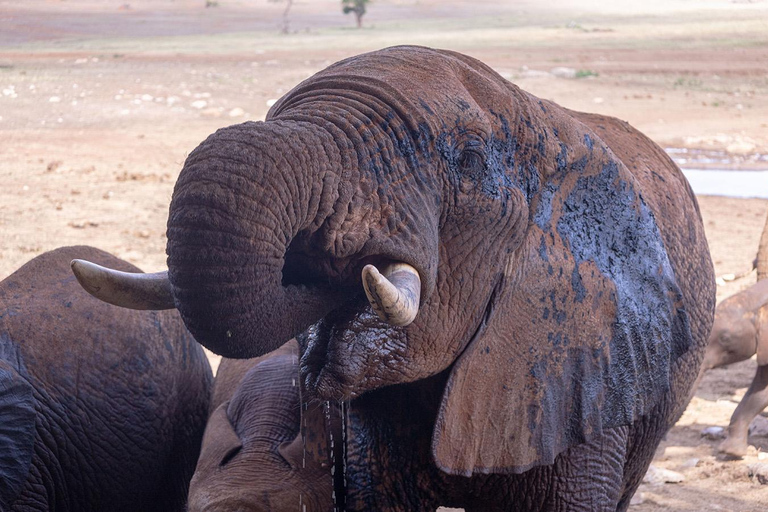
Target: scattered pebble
54, 99
82, 224
236, 112
211, 112
637, 499
598, 100
271, 102
147, 97
656, 475
759, 472
713, 433
53, 165
199, 104
690, 463
563, 72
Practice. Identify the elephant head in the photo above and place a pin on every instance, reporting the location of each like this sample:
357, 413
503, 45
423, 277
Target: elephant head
740, 329
496, 235
253, 456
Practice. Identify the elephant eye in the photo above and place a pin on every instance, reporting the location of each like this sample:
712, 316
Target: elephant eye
471, 162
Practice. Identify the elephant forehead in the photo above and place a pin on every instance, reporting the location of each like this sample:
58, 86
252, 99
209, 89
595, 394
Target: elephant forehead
432, 80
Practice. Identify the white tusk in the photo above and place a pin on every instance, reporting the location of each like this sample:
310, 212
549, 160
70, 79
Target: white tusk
125, 289
394, 293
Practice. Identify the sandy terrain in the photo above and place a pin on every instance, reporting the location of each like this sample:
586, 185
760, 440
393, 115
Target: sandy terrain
100, 101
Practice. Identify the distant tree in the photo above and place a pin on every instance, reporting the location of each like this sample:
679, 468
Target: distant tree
357, 7
286, 21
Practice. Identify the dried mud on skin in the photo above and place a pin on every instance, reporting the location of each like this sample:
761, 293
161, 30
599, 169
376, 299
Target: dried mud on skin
96, 126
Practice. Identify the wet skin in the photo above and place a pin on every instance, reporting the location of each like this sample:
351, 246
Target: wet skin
566, 296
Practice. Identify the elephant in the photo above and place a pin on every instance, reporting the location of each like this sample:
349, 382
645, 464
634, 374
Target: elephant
103, 408
255, 428
761, 262
510, 299
739, 332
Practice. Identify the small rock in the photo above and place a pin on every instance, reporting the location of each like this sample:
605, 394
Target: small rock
52, 166
598, 100
759, 472
562, 72
147, 97
271, 102
741, 147
54, 99
713, 433
533, 73
236, 112
211, 112
82, 224
637, 499
199, 104
690, 463
656, 475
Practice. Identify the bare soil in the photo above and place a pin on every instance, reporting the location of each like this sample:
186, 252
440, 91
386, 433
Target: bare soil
101, 101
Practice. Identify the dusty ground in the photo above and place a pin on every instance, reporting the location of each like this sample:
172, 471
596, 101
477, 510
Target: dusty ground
101, 100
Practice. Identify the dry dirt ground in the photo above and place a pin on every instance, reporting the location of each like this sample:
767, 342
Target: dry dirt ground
101, 100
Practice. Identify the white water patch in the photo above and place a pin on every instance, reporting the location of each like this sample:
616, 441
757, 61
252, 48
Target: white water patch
728, 183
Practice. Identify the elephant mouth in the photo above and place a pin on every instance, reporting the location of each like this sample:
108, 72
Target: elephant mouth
342, 354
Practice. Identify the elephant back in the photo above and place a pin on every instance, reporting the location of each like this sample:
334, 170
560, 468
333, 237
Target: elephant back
120, 396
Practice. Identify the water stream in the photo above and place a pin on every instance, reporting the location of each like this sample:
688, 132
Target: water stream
728, 183
718, 173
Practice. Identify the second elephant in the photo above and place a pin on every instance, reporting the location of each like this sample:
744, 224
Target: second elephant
739, 332
102, 409
256, 453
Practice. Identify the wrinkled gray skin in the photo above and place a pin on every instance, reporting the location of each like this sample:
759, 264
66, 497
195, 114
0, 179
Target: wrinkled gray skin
254, 429
102, 409
739, 332
567, 291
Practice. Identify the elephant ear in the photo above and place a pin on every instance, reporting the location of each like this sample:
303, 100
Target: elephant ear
580, 337
17, 432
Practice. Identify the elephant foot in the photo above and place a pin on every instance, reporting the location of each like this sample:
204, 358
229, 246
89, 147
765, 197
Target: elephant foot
733, 447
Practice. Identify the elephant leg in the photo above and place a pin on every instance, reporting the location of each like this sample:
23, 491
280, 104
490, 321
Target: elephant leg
754, 401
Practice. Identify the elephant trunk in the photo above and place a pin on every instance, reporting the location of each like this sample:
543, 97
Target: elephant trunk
242, 197
762, 254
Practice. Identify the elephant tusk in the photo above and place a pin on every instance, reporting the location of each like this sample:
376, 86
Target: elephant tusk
394, 294
125, 289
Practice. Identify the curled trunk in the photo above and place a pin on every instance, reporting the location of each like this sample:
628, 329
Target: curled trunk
240, 200
762, 254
